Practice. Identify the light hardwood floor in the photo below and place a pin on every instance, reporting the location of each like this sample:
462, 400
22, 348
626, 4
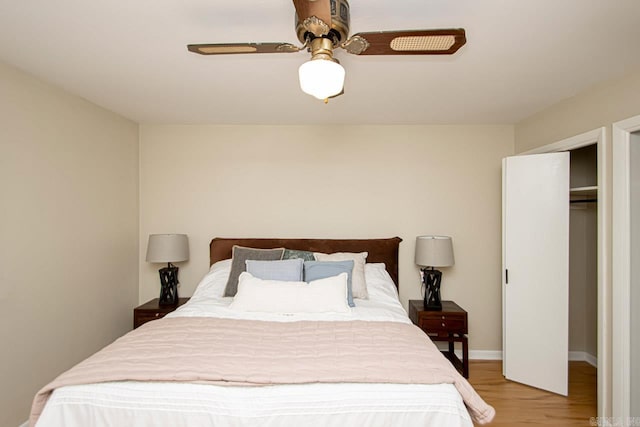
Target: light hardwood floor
520, 405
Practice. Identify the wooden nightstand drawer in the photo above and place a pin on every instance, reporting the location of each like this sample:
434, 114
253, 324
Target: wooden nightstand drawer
152, 311
444, 325
142, 318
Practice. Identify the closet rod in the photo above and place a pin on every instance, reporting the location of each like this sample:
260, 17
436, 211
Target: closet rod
584, 201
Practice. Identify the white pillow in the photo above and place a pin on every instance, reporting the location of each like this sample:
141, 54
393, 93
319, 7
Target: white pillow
358, 282
271, 296
379, 282
224, 264
214, 282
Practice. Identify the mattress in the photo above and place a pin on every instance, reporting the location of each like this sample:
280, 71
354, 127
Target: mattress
189, 404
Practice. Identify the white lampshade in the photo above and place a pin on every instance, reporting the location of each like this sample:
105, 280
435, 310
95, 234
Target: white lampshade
321, 78
167, 248
434, 251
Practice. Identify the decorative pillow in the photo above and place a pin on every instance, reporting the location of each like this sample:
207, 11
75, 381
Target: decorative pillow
314, 270
294, 254
240, 255
288, 270
271, 296
358, 283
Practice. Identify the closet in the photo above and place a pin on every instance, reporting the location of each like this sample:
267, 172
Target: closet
583, 254
550, 265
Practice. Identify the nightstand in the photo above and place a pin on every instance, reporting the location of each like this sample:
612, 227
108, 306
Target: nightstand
152, 310
446, 325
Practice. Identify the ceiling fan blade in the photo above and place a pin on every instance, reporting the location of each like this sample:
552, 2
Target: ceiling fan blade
321, 9
235, 48
412, 42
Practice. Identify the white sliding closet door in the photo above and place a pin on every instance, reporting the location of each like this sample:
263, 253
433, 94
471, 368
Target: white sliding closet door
536, 270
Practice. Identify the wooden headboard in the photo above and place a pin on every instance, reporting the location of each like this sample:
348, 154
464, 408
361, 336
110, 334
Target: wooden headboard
380, 250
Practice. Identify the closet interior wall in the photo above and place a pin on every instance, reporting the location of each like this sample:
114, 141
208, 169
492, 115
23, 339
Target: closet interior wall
583, 255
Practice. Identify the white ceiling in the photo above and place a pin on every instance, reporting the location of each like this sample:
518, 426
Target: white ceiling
129, 56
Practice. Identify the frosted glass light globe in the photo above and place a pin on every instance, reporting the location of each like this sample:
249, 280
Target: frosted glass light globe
321, 78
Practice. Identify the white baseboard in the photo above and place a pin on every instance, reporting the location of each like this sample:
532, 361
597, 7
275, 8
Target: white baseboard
485, 354
591, 360
574, 356
475, 354
583, 356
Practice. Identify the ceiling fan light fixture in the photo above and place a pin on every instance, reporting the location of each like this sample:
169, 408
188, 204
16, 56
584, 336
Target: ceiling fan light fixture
321, 78
323, 26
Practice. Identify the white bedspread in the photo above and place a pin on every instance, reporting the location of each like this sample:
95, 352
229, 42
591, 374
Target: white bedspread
174, 404
187, 404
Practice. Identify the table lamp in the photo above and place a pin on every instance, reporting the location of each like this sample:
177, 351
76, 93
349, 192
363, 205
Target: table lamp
433, 251
168, 248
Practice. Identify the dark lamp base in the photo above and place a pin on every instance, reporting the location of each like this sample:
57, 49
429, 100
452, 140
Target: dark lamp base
169, 286
432, 307
431, 280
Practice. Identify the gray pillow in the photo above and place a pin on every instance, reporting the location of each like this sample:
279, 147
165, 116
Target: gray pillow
295, 254
240, 255
314, 270
287, 270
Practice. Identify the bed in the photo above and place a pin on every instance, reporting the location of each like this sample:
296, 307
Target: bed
269, 369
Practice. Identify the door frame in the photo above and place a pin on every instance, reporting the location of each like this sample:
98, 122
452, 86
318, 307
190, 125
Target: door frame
621, 247
598, 137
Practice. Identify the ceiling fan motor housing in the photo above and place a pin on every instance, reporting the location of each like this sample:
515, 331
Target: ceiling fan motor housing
339, 26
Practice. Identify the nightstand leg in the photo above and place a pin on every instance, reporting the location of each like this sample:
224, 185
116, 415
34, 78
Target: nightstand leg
465, 357
451, 348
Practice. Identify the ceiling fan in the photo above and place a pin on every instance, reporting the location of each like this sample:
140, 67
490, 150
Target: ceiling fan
322, 26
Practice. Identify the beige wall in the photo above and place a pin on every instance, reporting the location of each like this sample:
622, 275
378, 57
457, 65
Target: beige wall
335, 182
69, 228
598, 106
